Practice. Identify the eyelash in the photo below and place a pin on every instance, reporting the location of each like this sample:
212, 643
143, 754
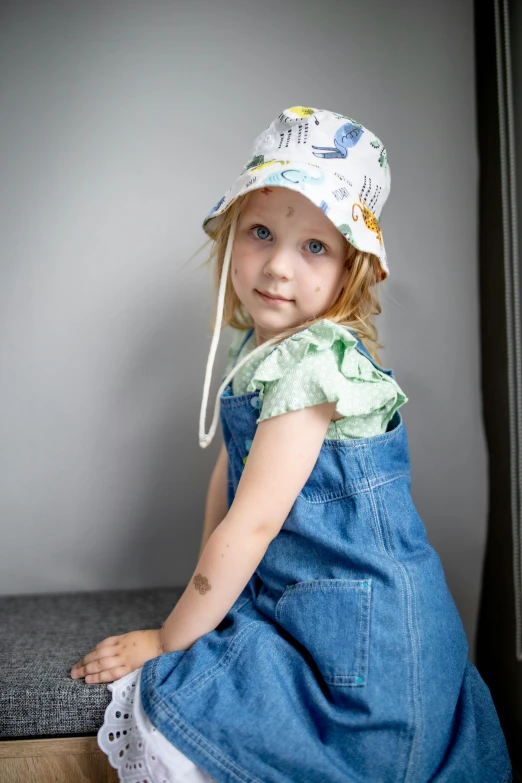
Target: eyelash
260, 225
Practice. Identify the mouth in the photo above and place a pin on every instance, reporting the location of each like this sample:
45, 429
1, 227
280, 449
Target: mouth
272, 299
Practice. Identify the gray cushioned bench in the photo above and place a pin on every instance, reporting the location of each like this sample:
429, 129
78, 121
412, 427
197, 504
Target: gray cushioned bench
48, 722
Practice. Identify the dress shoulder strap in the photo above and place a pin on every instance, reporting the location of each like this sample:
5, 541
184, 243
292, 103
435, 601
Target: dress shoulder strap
236, 357
243, 341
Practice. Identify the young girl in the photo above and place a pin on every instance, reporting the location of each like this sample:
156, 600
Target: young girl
317, 641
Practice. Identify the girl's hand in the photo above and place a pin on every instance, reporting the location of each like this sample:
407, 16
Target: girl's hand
117, 656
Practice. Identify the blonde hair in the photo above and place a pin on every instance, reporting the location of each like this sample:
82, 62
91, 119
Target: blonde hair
355, 306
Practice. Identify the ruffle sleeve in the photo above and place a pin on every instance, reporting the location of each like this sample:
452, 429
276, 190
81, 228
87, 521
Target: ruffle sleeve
321, 364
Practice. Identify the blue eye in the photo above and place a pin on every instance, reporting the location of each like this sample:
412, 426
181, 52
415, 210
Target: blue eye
263, 228
316, 242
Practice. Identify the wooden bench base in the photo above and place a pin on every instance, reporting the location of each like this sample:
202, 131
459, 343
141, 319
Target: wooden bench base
55, 760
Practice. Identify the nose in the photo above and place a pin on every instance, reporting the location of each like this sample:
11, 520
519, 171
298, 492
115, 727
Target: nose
280, 263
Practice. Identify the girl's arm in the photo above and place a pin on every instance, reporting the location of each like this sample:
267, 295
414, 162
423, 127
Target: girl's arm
217, 502
282, 456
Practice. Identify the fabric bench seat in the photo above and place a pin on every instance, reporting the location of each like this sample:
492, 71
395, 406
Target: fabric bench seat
41, 637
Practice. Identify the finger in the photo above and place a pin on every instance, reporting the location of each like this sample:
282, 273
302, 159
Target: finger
108, 675
97, 665
100, 651
110, 642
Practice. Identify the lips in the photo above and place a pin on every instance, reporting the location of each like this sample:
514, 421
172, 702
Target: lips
272, 296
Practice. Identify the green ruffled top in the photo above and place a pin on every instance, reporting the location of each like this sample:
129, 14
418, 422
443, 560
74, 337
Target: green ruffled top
314, 365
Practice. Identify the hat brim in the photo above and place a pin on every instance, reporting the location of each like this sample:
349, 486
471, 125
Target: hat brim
345, 208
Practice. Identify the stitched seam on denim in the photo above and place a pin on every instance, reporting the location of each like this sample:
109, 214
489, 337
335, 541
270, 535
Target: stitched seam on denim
365, 595
416, 643
356, 488
414, 626
379, 531
368, 631
358, 656
326, 497
415, 745
365, 486
196, 683
410, 644
388, 543
382, 522
357, 663
199, 742
312, 584
379, 482
363, 642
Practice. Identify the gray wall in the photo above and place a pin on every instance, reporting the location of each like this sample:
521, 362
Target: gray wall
110, 119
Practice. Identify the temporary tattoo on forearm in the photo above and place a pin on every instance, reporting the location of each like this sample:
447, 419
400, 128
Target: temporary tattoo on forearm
201, 584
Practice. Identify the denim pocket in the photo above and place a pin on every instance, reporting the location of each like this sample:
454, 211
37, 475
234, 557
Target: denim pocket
331, 619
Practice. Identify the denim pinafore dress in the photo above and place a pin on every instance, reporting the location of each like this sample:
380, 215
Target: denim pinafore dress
344, 659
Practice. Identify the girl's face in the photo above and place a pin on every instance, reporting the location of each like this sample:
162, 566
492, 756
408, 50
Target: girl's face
285, 246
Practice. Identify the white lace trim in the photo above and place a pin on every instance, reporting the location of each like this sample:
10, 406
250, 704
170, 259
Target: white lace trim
136, 749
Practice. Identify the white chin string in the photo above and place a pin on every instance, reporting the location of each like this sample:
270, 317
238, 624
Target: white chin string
206, 440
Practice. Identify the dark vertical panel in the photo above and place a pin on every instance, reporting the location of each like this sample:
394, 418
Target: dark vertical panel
496, 638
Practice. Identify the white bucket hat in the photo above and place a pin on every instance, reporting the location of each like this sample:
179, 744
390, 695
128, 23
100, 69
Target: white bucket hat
335, 162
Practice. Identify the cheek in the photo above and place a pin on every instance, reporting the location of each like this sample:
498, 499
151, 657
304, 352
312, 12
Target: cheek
243, 266
318, 287
240, 274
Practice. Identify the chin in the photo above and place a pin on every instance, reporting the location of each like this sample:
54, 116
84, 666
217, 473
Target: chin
276, 324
